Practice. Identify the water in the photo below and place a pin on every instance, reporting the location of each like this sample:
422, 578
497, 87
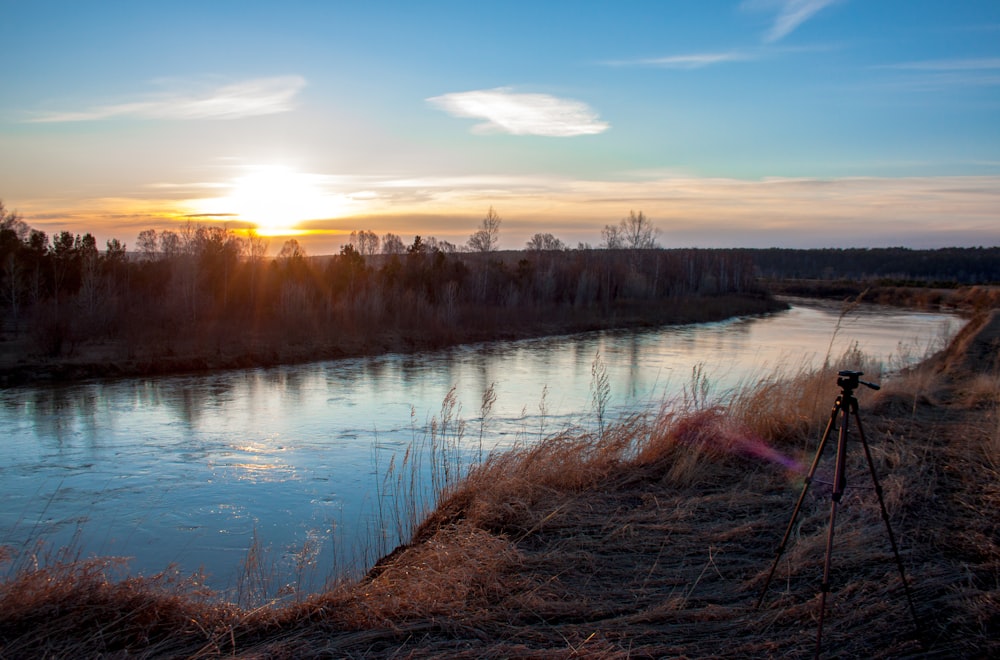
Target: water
190, 470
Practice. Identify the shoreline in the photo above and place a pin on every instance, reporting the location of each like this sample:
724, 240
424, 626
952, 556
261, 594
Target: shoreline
106, 360
652, 539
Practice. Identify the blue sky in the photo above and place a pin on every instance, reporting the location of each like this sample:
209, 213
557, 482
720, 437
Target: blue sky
803, 123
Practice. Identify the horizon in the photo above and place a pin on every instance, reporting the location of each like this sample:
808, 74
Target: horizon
754, 123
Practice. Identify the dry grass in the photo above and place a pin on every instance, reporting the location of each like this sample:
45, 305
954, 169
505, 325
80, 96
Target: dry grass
649, 538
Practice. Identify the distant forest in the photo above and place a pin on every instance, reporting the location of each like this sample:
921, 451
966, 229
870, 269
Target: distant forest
207, 291
950, 266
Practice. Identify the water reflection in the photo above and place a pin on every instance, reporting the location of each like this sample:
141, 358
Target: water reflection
187, 469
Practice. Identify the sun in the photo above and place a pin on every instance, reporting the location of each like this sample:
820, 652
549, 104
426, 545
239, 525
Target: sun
276, 199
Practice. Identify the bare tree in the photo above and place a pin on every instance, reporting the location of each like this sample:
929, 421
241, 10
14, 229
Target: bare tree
487, 237
365, 242
291, 250
13, 285
147, 242
637, 232
170, 244
545, 242
446, 246
434, 244
11, 221
116, 251
256, 246
612, 236
392, 244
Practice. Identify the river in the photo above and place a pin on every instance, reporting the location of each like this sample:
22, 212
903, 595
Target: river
193, 470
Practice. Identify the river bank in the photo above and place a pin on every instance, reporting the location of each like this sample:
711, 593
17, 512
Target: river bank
214, 346
941, 296
650, 539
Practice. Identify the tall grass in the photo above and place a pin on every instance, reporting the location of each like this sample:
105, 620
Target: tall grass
435, 459
648, 535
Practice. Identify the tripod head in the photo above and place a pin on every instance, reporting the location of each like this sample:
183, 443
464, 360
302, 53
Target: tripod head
849, 381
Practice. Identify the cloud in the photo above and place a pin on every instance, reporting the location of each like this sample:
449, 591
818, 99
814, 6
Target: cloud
190, 101
937, 75
689, 61
791, 14
930, 212
521, 114
970, 64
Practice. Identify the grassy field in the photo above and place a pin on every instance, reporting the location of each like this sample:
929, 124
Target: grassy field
651, 537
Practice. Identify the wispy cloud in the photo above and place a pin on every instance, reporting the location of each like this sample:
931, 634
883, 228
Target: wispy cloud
968, 64
505, 111
708, 212
691, 211
687, 61
187, 100
935, 75
790, 14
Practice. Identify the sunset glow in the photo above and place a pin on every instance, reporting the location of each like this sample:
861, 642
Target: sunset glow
749, 123
275, 200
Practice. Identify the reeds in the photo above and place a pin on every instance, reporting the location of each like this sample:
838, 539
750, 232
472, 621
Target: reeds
648, 536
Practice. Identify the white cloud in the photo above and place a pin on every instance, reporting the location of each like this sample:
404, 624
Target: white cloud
971, 64
505, 111
939, 75
791, 14
689, 61
187, 100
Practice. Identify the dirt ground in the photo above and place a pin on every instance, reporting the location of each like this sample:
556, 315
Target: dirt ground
649, 557
652, 540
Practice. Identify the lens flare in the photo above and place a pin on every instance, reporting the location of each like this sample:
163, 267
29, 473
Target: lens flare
711, 428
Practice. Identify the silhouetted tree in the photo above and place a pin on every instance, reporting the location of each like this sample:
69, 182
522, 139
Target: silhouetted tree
612, 237
347, 272
147, 243
544, 242
218, 251
12, 221
487, 237
418, 247
365, 242
13, 281
37, 271
637, 232
439, 245
256, 246
291, 250
170, 244
392, 244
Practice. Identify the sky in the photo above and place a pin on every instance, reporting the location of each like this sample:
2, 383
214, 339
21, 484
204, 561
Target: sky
742, 123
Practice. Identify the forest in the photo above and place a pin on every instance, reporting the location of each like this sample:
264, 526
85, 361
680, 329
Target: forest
201, 297
946, 266
209, 293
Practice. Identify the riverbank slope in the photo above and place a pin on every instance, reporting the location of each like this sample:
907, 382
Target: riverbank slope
651, 539
212, 346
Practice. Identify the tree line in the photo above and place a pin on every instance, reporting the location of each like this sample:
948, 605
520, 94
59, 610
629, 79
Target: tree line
211, 284
954, 265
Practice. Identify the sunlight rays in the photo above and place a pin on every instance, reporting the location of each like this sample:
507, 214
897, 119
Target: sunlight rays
276, 200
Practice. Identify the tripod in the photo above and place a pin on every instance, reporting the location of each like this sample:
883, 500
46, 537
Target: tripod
845, 406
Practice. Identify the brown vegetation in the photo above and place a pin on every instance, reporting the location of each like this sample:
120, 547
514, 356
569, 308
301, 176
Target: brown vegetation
650, 538
205, 298
965, 299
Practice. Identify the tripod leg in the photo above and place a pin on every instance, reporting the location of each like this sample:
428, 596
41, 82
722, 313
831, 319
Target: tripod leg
839, 485
885, 517
802, 497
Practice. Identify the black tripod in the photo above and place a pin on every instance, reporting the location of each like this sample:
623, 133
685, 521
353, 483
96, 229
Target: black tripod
845, 406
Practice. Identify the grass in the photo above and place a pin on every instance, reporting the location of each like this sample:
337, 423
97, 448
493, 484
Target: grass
649, 537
